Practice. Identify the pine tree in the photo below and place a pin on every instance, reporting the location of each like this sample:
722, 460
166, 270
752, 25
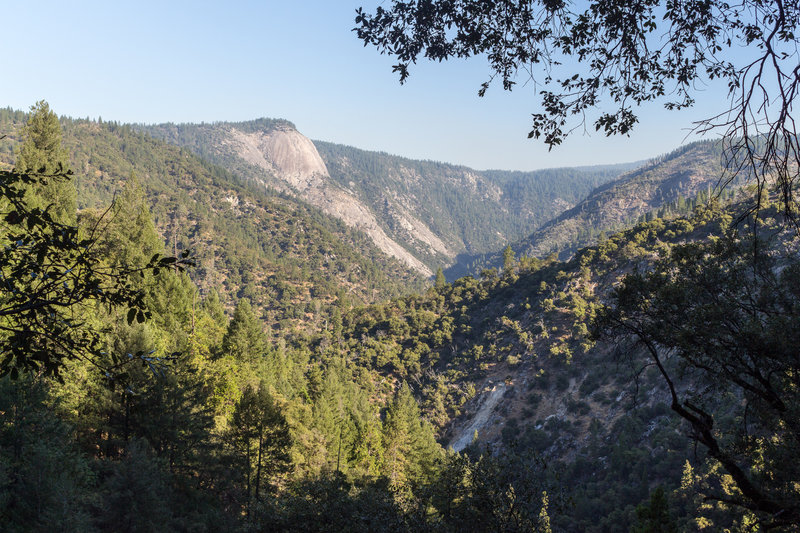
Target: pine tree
410, 450
508, 260
244, 340
440, 281
259, 435
45, 482
653, 517
212, 305
41, 151
208, 326
135, 495
130, 235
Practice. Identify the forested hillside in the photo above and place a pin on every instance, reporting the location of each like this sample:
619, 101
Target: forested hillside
521, 361
433, 212
471, 211
231, 327
290, 260
648, 382
672, 184
673, 179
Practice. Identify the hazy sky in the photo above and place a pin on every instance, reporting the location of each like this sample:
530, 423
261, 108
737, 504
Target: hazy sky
195, 61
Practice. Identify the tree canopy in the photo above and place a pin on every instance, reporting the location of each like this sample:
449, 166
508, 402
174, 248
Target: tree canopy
714, 315
42, 151
582, 57
51, 271
50, 274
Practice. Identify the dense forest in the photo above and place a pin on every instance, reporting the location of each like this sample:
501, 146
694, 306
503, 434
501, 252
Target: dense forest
152, 382
289, 259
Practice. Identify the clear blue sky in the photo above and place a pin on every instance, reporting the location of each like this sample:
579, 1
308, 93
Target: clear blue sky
193, 61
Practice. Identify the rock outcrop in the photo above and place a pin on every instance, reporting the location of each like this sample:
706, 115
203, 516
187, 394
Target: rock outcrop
291, 157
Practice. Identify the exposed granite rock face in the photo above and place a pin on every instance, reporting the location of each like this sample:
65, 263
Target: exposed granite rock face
291, 157
285, 152
425, 213
488, 402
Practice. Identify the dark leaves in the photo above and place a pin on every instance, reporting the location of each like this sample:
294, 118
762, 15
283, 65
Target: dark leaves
608, 57
51, 278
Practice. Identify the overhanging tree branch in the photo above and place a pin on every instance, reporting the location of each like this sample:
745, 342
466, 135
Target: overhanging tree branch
612, 56
50, 275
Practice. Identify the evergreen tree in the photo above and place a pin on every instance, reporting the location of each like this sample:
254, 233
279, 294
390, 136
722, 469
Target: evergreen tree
212, 305
45, 482
259, 435
171, 411
244, 341
208, 326
440, 281
129, 237
135, 495
410, 450
366, 450
41, 151
653, 517
508, 260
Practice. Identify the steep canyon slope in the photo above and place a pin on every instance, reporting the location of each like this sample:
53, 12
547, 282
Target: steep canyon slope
507, 360
273, 154
424, 213
670, 179
505, 357
669, 183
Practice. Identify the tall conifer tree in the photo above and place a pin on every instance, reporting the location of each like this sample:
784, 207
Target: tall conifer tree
244, 340
410, 449
41, 151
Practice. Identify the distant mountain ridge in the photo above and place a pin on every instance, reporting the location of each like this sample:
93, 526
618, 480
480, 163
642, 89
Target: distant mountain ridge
423, 213
682, 173
272, 153
666, 180
428, 214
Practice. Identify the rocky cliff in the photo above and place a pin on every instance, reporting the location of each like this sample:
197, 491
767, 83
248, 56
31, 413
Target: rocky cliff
424, 213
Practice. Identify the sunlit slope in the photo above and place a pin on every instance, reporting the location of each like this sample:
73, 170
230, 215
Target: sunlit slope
424, 213
288, 257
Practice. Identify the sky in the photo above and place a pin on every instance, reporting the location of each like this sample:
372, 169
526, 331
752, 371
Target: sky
195, 61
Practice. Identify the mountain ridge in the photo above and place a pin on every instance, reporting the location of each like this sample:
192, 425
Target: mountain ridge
288, 258
684, 172
422, 212
664, 182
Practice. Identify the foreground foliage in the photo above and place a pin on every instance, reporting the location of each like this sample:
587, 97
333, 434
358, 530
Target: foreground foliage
345, 426
583, 56
729, 312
